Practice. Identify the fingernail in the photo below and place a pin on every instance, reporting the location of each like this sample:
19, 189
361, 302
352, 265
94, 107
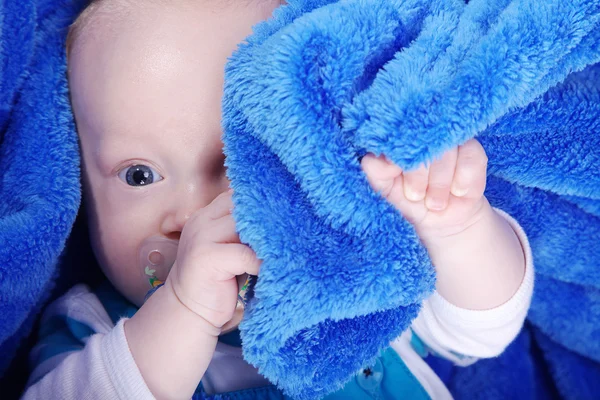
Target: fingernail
412, 194
458, 192
435, 204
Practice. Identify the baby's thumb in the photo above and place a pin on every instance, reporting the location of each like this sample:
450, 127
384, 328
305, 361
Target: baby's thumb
380, 173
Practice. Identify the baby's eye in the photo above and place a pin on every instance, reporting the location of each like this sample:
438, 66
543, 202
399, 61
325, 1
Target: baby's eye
139, 175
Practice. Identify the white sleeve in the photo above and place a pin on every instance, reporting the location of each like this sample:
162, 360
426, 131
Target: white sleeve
463, 336
104, 369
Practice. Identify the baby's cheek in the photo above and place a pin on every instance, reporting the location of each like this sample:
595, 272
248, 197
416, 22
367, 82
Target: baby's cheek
118, 261
131, 284
122, 226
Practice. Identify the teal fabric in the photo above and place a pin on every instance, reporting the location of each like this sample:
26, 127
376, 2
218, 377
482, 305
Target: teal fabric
397, 382
390, 380
418, 345
79, 329
60, 334
114, 303
61, 341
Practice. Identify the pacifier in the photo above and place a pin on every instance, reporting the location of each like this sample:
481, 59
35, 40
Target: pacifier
156, 258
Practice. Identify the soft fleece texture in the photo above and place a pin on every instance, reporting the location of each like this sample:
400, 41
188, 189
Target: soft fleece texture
322, 83
39, 161
315, 88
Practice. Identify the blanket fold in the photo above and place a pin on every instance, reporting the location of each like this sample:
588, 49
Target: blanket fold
322, 83
39, 160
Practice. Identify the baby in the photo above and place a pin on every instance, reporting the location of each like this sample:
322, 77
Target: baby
146, 81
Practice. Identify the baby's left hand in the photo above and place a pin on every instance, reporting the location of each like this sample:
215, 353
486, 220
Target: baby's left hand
440, 200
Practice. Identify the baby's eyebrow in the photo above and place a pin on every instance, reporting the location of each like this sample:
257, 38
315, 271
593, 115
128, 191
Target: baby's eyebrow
102, 164
107, 161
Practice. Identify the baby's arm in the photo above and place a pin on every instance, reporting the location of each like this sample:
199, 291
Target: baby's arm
81, 354
464, 335
479, 259
165, 348
481, 267
165, 361
164, 354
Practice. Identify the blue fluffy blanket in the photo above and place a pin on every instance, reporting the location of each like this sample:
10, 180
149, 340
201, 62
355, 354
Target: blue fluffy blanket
315, 88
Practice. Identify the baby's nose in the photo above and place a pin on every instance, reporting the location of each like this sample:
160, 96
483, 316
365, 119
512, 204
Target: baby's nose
175, 220
173, 223
184, 204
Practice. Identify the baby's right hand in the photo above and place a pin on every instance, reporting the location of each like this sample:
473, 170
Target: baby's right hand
209, 258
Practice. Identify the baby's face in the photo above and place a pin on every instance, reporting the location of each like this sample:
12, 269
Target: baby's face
146, 82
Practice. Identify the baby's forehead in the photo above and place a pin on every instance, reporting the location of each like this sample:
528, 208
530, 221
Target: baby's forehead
158, 68
176, 31
125, 66
156, 36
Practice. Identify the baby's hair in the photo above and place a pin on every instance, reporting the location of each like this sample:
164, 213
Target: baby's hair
79, 22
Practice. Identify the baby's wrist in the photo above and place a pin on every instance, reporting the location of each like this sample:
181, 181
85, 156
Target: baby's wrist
480, 267
164, 335
464, 241
205, 325
483, 219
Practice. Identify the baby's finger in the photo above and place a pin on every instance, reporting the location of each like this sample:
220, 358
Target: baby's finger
471, 170
221, 230
234, 259
380, 173
395, 195
220, 206
415, 183
441, 173
413, 212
